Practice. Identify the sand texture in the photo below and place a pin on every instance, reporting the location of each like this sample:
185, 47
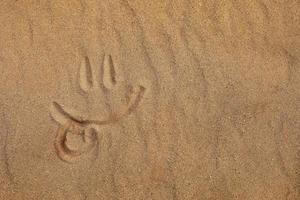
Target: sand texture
149, 100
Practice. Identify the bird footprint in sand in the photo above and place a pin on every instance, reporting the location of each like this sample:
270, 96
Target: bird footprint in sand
77, 136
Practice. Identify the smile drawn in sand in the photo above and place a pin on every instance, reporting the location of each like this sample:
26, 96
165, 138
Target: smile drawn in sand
85, 128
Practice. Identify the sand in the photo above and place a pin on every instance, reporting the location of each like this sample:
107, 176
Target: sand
161, 100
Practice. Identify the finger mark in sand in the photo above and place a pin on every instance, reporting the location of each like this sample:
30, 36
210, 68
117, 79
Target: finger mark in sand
109, 73
62, 116
85, 75
66, 153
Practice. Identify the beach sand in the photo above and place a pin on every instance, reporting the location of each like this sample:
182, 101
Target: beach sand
161, 100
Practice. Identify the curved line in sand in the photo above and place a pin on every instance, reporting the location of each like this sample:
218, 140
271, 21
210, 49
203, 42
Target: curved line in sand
132, 105
64, 152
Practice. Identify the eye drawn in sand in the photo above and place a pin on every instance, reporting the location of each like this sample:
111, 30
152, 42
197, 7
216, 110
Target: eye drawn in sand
75, 129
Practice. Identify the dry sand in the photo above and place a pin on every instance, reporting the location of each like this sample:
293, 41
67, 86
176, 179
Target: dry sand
117, 99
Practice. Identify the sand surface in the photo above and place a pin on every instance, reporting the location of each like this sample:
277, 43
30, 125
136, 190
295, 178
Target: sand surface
160, 100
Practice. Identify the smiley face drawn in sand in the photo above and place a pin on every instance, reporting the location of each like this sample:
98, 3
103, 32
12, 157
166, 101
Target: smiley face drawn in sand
78, 128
